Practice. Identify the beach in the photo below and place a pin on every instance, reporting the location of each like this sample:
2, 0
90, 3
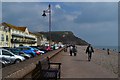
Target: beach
110, 62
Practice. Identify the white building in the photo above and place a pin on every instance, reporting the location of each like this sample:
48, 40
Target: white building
20, 36
4, 36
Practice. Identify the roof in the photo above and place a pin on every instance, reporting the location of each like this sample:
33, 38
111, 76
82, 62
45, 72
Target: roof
22, 28
14, 27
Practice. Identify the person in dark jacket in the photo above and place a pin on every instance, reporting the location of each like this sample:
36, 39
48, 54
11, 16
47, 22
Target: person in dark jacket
74, 50
71, 50
89, 51
108, 51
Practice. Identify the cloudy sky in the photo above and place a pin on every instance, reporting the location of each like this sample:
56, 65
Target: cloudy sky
95, 22
59, 0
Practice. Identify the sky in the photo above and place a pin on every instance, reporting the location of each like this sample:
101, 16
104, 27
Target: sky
95, 22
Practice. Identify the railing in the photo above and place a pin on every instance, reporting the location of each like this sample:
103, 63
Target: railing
24, 42
21, 36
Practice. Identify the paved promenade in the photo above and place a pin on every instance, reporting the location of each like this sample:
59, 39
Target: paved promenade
79, 67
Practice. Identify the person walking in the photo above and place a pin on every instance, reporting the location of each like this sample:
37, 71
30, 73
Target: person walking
108, 51
65, 49
89, 51
71, 50
74, 50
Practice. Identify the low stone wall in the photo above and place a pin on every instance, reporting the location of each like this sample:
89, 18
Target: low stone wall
18, 71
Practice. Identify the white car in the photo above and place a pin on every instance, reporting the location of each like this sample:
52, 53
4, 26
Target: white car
10, 56
41, 52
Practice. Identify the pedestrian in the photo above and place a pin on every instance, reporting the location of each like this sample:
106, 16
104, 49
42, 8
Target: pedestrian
65, 49
71, 50
89, 51
74, 50
108, 51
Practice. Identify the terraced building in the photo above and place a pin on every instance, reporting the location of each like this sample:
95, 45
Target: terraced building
14, 36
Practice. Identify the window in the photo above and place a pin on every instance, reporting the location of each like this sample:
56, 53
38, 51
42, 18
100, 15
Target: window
2, 37
6, 53
26, 48
6, 29
6, 37
1, 27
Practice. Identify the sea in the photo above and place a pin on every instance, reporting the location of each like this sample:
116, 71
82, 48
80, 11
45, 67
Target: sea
112, 48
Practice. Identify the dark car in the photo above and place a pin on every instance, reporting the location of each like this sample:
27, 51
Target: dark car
19, 52
28, 50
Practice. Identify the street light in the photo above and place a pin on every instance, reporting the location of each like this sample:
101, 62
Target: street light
49, 12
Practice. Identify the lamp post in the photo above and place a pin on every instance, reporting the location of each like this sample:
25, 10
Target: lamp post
49, 12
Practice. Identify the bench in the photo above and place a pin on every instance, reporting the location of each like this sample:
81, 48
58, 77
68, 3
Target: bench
46, 70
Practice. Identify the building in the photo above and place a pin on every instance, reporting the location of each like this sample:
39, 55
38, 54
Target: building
18, 36
44, 41
4, 36
41, 39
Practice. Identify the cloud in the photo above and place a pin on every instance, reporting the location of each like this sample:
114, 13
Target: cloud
93, 22
60, 0
58, 6
98, 12
25, 14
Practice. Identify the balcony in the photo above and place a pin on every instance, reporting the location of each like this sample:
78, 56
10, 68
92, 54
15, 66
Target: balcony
16, 35
29, 38
23, 42
21, 36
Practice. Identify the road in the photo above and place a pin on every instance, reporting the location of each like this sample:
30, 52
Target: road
79, 67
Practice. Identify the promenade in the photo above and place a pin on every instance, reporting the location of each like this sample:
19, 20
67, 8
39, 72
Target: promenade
79, 67
101, 65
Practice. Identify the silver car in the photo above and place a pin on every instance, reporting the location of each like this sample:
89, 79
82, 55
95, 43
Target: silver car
4, 62
10, 56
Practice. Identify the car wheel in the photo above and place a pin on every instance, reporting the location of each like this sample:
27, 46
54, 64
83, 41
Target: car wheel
32, 55
26, 57
3, 65
17, 61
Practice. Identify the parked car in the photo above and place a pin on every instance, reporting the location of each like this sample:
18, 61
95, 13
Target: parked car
26, 56
28, 50
44, 48
62, 45
4, 62
39, 51
41, 48
19, 52
48, 48
10, 56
